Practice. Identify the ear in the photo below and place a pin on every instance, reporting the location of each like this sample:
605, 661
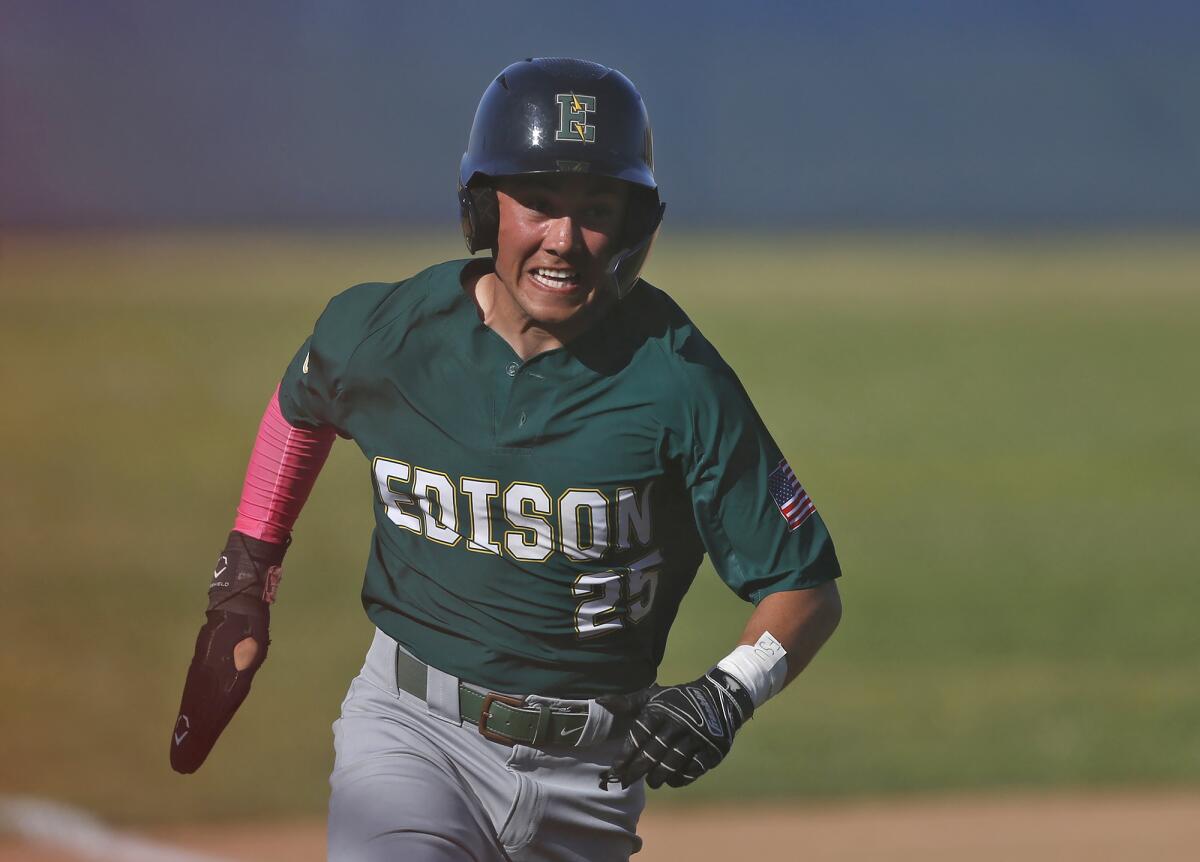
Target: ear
480, 213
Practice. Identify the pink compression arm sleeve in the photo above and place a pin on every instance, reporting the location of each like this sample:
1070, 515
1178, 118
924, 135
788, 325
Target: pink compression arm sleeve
283, 467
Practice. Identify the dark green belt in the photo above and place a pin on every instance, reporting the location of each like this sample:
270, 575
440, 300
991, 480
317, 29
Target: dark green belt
499, 717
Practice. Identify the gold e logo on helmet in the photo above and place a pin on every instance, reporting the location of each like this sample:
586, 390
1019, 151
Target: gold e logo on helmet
572, 118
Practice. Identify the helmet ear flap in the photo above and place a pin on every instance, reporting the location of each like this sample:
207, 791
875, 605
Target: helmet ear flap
625, 265
643, 214
480, 213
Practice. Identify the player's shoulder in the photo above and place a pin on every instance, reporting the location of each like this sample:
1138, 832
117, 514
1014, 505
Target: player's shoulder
353, 315
674, 338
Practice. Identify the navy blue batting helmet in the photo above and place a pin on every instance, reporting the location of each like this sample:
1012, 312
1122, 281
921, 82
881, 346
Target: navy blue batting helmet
556, 115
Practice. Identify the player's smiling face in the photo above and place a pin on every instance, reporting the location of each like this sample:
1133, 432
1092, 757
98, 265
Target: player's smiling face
557, 234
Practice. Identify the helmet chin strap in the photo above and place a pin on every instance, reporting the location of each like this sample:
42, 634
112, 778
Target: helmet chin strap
622, 271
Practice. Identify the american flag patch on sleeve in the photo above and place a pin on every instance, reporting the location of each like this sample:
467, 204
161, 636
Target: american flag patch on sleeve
789, 496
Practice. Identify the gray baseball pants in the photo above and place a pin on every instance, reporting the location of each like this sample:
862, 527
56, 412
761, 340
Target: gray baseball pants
411, 782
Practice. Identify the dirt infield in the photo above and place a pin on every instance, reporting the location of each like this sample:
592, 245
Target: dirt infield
1163, 827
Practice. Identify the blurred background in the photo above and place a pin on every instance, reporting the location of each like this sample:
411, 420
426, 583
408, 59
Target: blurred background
951, 248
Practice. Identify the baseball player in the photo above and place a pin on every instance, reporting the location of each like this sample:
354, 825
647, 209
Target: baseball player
553, 449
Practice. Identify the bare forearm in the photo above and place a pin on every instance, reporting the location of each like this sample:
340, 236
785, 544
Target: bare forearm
801, 620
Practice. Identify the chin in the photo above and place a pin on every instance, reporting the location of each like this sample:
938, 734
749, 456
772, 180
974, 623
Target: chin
553, 308
558, 318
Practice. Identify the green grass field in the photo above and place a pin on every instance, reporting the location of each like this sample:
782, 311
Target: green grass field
1003, 435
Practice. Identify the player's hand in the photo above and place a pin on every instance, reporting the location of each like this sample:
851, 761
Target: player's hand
683, 731
231, 647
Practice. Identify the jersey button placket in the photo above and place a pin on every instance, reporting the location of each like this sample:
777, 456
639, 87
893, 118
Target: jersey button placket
515, 427
510, 379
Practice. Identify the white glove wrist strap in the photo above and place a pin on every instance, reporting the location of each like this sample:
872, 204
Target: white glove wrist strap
761, 668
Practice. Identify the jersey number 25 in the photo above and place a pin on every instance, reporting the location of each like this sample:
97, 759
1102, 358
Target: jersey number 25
614, 599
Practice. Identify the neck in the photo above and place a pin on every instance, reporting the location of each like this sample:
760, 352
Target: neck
526, 336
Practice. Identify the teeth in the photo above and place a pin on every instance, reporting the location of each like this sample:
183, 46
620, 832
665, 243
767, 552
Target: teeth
556, 274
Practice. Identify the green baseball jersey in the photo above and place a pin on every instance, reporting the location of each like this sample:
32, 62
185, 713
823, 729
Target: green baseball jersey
537, 523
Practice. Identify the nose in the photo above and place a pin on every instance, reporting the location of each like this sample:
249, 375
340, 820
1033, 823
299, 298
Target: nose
563, 235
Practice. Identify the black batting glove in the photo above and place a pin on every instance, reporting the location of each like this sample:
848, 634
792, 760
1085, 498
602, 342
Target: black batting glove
683, 731
231, 647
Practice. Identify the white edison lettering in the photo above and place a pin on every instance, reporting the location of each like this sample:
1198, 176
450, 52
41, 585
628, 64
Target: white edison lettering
389, 475
527, 506
635, 513
480, 492
433, 489
571, 508
597, 613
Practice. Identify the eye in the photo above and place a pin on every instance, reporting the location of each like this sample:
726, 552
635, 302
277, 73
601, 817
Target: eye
538, 203
602, 212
